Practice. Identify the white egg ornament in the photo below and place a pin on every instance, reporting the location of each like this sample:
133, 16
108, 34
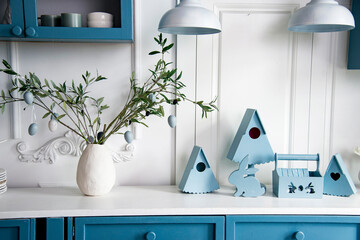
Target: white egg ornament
152, 97
33, 128
129, 136
172, 121
28, 97
53, 125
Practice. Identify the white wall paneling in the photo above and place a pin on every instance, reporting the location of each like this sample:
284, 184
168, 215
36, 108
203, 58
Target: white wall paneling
257, 63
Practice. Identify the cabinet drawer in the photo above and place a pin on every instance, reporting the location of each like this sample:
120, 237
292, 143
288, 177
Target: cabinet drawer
150, 228
292, 227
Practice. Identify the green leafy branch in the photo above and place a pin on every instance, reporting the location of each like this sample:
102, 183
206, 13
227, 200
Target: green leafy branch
162, 87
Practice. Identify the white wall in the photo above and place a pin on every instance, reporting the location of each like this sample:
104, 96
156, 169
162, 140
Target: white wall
299, 83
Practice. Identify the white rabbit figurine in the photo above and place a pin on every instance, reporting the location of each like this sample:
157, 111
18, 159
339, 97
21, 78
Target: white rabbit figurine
245, 181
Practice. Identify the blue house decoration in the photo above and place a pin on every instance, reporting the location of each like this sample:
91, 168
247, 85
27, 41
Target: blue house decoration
337, 180
250, 146
251, 139
198, 176
297, 182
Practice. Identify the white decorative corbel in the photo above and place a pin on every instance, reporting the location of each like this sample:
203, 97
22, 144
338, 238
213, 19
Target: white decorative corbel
70, 144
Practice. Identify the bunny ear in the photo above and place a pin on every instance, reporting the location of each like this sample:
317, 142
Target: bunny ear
244, 162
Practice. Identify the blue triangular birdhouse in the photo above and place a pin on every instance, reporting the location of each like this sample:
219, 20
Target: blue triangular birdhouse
251, 140
198, 176
337, 180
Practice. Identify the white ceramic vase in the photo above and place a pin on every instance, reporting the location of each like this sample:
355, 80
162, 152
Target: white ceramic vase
96, 171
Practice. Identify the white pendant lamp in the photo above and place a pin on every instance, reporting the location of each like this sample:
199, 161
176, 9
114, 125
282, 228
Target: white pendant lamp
189, 18
321, 16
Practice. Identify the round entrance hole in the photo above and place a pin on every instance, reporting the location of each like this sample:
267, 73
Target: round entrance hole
254, 133
200, 167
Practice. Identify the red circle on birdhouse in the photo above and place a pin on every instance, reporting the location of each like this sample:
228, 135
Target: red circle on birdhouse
254, 133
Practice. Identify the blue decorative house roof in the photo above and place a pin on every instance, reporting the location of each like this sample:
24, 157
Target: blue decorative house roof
198, 176
251, 140
337, 180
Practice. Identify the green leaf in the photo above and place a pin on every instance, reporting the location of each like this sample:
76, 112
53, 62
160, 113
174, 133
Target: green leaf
46, 83
154, 52
3, 94
167, 48
2, 108
65, 107
46, 114
6, 64
9, 71
61, 116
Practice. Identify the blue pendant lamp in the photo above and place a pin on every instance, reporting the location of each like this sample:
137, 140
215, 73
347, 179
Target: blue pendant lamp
189, 18
321, 16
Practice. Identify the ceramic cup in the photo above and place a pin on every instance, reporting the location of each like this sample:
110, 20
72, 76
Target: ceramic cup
71, 19
50, 20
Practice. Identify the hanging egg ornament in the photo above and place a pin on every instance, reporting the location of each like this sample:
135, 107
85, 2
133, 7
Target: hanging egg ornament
129, 136
152, 97
28, 97
54, 117
53, 125
33, 128
172, 121
91, 139
100, 135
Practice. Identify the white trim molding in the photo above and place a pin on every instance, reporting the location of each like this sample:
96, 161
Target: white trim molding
69, 144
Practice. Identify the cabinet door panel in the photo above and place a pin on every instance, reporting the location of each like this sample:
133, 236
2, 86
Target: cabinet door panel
138, 228
15, 229
123, 31
15, 29
292, 227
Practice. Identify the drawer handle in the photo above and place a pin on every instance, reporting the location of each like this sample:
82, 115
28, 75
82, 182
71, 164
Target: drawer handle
16, 30
150, 236
299, 235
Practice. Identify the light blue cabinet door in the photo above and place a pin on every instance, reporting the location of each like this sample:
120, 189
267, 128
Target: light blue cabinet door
123, 33
15, 29
17, 229
292, 227
150, 228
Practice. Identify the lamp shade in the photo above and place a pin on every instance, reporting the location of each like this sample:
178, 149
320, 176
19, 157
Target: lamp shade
321, 16
189, 18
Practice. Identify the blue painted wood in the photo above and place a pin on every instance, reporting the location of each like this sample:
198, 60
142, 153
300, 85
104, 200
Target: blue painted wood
198, 176
288, 227
18, 229
32, 229
131, 228
55, 228
69, 228
337, 179
354, 39
244, 180
14, 30
119, 34
298, 182
251, 139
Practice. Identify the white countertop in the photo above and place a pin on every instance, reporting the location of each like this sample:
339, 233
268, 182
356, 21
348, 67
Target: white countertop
162, 200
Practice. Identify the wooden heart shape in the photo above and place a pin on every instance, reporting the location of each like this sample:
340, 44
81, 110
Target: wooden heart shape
335, 176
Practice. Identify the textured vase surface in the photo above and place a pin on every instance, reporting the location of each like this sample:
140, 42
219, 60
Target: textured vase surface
96, 171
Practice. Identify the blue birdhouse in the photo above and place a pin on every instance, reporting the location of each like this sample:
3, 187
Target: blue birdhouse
251, 140
198, 176
337, 180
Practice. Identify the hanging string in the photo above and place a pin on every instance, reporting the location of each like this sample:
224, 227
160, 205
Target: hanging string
33, 114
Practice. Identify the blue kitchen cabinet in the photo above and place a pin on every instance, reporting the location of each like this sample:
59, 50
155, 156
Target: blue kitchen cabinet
13, 27
25, 24
17, 229
292, 227
150, 228
354, 39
